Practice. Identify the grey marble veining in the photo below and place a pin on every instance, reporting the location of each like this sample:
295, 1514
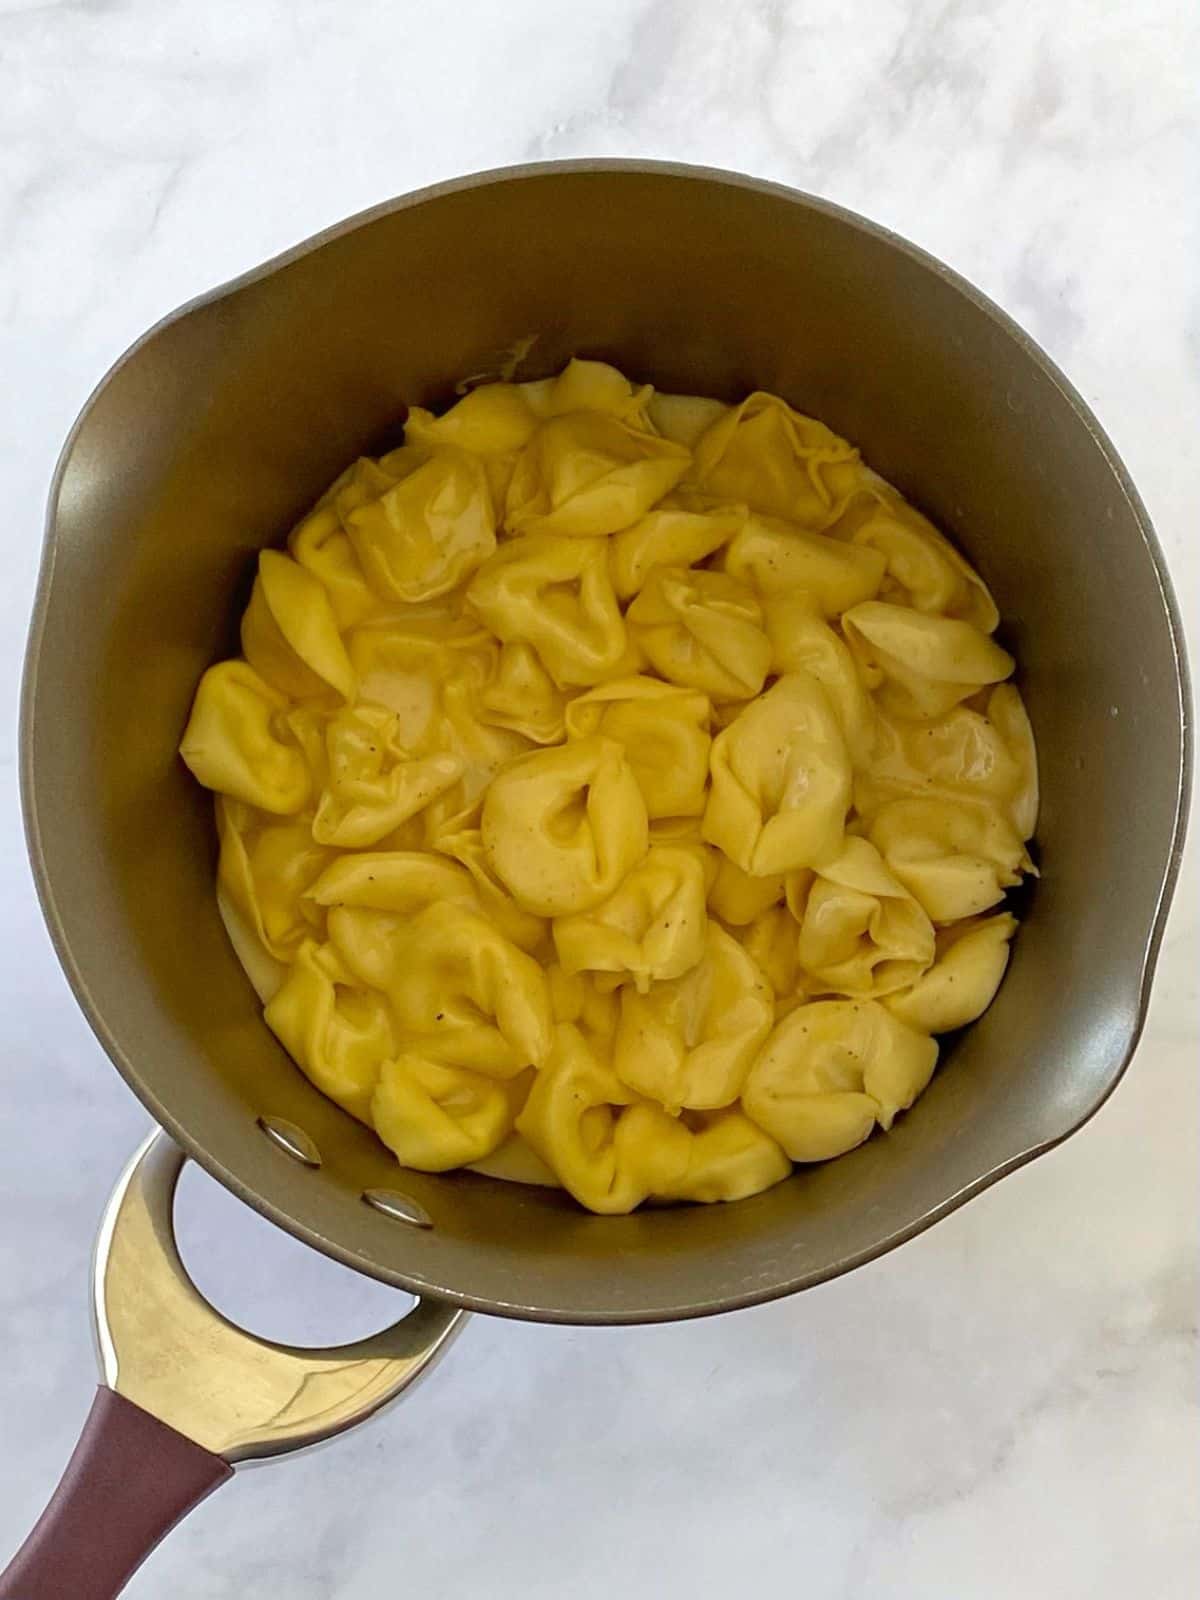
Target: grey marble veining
1005, 1408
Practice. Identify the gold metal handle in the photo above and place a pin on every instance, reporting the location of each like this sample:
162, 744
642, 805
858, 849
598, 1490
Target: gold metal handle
165, 1348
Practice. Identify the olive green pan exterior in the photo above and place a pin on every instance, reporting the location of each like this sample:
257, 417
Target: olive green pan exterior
217, 430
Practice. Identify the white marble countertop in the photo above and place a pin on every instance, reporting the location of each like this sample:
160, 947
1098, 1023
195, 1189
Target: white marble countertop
1004, 1408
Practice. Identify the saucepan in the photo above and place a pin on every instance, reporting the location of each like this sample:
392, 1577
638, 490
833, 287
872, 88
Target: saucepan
205, 443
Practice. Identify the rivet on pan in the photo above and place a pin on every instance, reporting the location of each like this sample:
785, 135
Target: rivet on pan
399, 1206
293, 1141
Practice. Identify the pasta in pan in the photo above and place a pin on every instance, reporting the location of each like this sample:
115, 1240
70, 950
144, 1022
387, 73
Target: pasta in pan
618, 790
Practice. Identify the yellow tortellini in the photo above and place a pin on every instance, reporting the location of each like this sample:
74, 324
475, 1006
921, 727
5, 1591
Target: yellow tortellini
1007, 715
960, 985
861, 933
555, 594
688, 1041
466, 847
957, 858
777, 461
703, 630
562, 827
523, 696
802, 641
338, 1032
782, 558
738, 896
406, 663
321, 545
266, 871
617, 791
290, 633
684, 529
493, 423
401, 881
482, 748
458, 990
582, 1122
589, 474
374, 782
613, 1150
238, 742
830, 1071
923, 570
429, 527
771, 940
650, 929
588, 386
686, 418
663, 730
434, 1117
729, 1157
581, 999
780, 780
966, 754
921, 665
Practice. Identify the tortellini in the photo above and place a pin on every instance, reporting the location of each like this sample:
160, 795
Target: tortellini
320, 544
266, 871
664, 733
588, 474
580, 999
407, 664
430, 526
681, 531
238, 742
686, 418
617, 791
374, 782
608, 1152
493, 423
702, 629
923, 570
957, 858
400, 881
780, 780
961, 983
922, 665
434, 1117
555, 594
613, 1150
338, 1032
458, 990
690, 1040
830, 1071
523, 696
563, 827
782, 558
466, 847
964, 755
771, 940
588, 386
778, 461
861, 933
290, 633
802, 641
651, 928
738, 897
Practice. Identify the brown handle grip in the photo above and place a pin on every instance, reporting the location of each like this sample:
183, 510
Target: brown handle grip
129, 1481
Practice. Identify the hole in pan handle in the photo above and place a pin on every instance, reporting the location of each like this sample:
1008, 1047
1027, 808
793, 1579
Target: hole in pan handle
185, 1395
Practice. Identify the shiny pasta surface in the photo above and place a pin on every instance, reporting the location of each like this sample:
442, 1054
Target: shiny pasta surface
618, 790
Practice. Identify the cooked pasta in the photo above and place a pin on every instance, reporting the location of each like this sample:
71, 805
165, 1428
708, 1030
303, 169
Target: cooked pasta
618, 790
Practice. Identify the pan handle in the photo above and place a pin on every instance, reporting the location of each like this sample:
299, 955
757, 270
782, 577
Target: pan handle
186, 1395
130, 1479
